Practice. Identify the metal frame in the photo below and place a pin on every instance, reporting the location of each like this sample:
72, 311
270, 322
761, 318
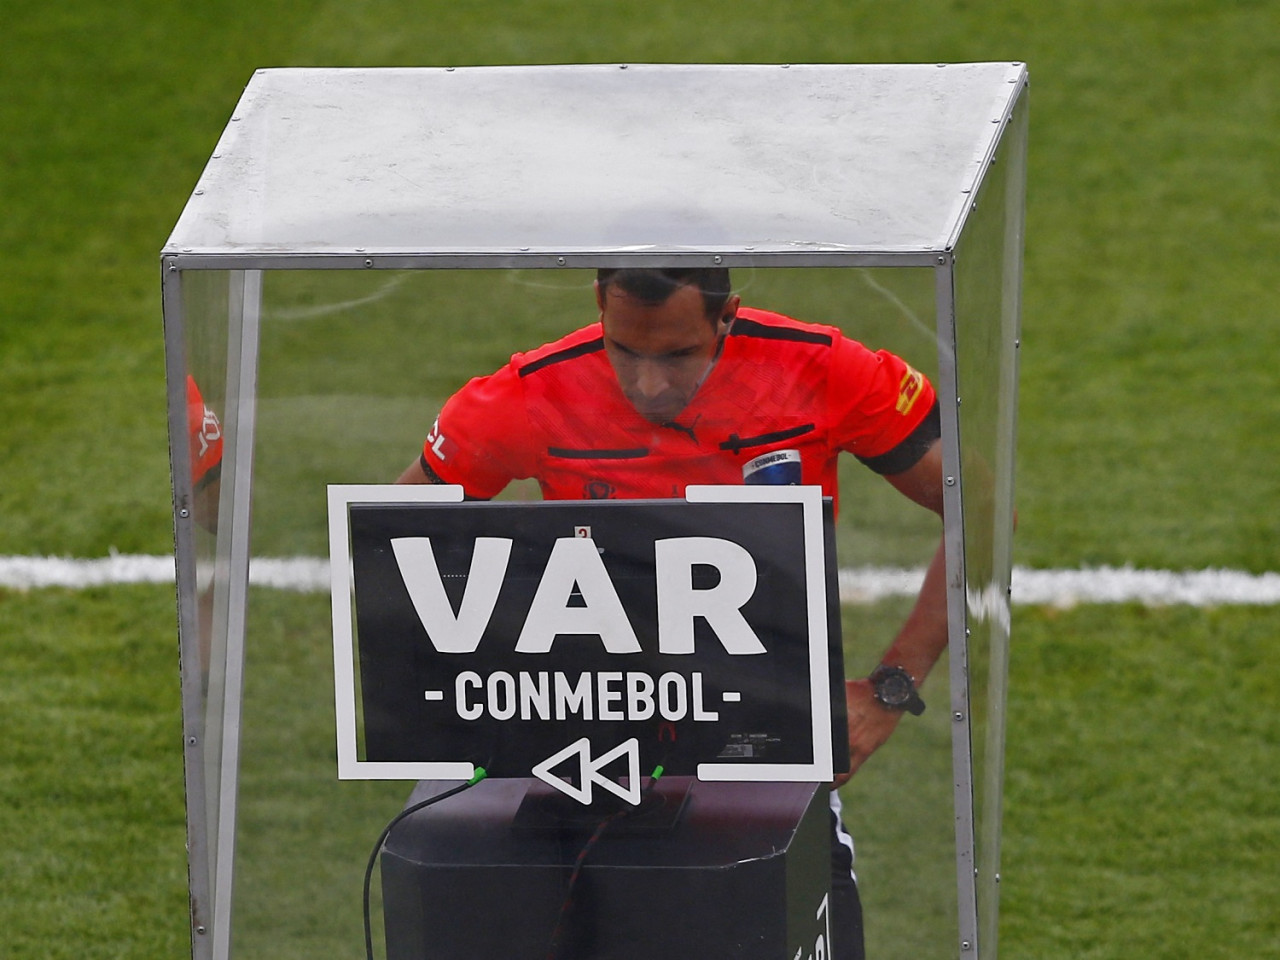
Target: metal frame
188, 630
957, 607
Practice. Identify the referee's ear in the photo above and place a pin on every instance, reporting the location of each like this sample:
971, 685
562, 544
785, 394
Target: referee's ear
729, 312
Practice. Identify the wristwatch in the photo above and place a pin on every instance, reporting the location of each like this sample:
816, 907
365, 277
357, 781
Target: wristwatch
895, 690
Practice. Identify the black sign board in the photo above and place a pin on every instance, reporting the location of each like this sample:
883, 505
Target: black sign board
586, 642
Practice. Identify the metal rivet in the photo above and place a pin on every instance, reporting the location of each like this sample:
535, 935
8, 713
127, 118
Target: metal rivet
622, 66
717, 259
191, 741
965, 945
958, 716
951, 481
368, 263
200, 930
560, 261
184, 513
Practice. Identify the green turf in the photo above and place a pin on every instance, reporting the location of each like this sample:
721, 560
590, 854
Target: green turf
91, 802
1140, 788
1140, 824
1140, 814
1147, 315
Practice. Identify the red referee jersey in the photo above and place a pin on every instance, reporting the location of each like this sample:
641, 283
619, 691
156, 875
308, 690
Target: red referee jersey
204, 433
557, 414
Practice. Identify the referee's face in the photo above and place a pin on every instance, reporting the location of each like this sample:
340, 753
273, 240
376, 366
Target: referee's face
662, 352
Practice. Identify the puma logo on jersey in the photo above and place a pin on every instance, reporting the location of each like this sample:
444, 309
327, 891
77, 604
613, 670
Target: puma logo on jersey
436, 441
210, 432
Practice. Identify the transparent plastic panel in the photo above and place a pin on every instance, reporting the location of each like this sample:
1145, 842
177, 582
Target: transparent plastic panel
207, 307
349, 370
988, 274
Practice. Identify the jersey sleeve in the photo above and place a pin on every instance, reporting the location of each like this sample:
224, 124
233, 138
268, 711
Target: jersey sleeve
884, 410
481, 439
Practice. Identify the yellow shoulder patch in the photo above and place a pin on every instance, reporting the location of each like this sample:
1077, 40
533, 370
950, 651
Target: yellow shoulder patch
909, 389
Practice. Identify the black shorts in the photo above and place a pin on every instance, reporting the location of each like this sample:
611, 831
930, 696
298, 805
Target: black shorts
846, 906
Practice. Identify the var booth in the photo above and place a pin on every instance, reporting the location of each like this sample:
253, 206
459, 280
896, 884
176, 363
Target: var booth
428, 727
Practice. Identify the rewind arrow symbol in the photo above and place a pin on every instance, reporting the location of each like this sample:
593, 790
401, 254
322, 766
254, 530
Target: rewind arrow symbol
589, 771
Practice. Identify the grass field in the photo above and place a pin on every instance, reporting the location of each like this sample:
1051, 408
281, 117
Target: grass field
1140, 810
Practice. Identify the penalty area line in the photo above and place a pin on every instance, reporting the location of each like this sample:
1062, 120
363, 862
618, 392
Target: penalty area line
858, 585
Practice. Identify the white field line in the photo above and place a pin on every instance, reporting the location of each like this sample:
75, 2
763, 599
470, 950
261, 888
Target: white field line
857, 585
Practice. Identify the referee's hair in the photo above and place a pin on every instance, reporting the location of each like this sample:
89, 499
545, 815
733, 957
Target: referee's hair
652, 286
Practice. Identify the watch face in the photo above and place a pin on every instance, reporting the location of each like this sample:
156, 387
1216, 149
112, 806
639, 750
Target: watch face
895, 689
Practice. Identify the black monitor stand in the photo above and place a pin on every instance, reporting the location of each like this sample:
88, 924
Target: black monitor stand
699, 869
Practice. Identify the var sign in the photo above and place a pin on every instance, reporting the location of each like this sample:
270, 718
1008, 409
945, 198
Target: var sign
585, 642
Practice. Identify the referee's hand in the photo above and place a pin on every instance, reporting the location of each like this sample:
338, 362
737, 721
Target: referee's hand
870, 725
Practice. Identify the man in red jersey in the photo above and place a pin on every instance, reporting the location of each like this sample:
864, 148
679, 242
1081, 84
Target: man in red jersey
678, 383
